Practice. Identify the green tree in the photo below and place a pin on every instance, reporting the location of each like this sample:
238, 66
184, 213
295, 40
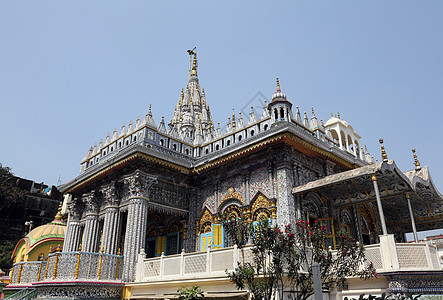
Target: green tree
9, 192
190, 293
6, 249
282, 259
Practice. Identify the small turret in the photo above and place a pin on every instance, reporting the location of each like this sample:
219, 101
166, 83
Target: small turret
252, 116
280, 108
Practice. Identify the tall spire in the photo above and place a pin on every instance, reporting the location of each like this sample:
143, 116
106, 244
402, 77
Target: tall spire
384, 156
416, 162
194, 64
278, 86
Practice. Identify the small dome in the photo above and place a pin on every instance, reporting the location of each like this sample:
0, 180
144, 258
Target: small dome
51, 230
334, 120
48, 235
278, 95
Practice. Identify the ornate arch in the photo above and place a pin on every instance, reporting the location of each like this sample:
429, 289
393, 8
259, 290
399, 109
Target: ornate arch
153, 231
232, 194
313, 205
345, 217
173, 226
206, 219
262, 207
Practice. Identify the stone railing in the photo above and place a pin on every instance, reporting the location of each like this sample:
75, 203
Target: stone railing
389, 256
210, 263
63, 266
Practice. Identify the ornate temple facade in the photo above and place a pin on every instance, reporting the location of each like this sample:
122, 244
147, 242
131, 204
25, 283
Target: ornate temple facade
153, 193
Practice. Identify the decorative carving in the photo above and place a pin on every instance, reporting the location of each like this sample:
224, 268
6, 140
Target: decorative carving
91, 201
207, 216
260, 201
232, 194
111, 194
138, 184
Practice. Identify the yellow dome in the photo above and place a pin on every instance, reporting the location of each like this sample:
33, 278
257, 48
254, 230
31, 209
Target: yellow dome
54, 229
49, 234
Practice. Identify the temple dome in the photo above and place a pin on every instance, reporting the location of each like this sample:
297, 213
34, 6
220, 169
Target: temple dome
45, 238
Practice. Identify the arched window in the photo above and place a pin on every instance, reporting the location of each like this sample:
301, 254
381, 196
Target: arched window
134, 138
119, 144
252, 132
217, 147
162, 142
276, 114
282, 113
228, 143
266, 127
187, 151
207, 151
127, 142
174, 147
112, 148
239, 138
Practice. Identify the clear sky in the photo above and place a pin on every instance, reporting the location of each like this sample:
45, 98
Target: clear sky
72, 71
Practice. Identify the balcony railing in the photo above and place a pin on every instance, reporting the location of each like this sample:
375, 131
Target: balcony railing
403, 257
210, 263
386, 257
63, 266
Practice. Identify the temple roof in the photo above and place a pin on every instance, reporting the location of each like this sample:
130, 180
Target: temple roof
355, 186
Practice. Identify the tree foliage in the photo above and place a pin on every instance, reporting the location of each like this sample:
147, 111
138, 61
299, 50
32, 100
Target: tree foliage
9, 192
6, 249
190, 293
282, 259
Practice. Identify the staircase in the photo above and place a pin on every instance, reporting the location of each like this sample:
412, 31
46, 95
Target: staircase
24, 294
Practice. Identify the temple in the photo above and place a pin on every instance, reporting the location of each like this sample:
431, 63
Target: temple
144, 208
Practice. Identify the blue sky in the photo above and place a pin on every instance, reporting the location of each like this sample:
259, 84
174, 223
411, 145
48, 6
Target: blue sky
72, 71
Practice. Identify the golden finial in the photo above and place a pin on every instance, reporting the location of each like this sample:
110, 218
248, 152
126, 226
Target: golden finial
80, 247
198, 117
187, 87
366, 149
384, 156
203, 91
339, 115
278, 85
416, 163
58, 216
149, 108
233, 119
332, 115
191, 99
312, 111
194, 64
321, 121
266, 102
182, 92
181, 117
118, 253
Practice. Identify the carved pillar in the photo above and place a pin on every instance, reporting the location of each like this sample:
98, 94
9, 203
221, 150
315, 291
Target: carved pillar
329, 167
285, 199
90, 239
73, 230
271, 181
357, 222
110, 228
246, 187
138, 185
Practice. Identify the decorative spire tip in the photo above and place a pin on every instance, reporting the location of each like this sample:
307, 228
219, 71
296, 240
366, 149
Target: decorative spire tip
384, 156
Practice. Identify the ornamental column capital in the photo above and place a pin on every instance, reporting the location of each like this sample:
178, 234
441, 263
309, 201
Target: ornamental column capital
74, 208
91, 201
111, 194
138, 184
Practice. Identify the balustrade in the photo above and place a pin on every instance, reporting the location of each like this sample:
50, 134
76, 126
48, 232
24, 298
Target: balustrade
62, 266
